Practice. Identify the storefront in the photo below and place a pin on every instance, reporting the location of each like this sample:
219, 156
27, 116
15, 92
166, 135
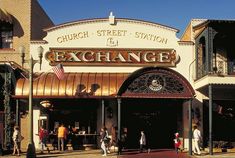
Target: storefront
117, 72
125, 73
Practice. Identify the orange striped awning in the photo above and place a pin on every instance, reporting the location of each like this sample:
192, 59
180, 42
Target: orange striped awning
5, 16
47, 85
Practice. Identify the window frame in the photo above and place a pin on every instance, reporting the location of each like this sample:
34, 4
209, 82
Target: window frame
6, 28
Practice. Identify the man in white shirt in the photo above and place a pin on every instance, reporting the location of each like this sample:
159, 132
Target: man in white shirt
196, 140
142, 141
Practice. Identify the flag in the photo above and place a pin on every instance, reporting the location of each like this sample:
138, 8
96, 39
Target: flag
59, 71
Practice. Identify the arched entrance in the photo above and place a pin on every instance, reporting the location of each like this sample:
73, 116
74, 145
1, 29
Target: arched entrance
152, 100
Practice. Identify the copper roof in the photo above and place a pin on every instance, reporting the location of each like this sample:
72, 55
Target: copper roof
47, 85
5, 16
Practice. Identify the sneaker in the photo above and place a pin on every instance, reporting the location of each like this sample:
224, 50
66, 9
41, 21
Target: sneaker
104, 155
108, 151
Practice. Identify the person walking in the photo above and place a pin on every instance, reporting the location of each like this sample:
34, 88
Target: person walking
62, 133
177, 142
43, 136
142, 141
103, 140
16, 139
196, 140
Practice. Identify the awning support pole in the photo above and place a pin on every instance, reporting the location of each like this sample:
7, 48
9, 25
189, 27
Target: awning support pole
103, 112
17, 112
119, 118
210, 120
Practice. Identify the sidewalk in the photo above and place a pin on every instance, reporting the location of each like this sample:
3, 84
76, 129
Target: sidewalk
68, 154
216, 155
158, 153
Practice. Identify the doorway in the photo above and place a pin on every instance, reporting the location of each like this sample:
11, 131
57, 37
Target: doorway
158, 118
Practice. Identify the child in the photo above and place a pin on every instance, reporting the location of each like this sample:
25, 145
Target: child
177, 142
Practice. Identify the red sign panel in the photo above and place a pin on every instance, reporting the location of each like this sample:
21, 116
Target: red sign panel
111, 57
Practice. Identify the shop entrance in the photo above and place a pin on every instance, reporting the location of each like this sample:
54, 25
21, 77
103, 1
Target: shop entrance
159, 118
74, 113
79, 116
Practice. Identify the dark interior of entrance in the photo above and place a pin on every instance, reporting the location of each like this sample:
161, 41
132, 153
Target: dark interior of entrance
223, 124
158, 118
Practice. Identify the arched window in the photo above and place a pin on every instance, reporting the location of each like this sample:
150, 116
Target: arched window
6, 35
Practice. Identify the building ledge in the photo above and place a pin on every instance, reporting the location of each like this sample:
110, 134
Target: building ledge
214, 79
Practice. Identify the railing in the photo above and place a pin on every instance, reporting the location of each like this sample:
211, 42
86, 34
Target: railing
201, 71
229, 70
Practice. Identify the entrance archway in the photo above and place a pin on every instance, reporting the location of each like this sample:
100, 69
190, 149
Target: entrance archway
156, 82
152, 100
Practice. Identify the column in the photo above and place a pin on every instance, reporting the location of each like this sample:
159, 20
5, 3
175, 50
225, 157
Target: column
119, 118
102, 113
190, 127
17, 112
210, 120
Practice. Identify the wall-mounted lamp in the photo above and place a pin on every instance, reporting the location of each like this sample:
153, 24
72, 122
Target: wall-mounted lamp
46, 103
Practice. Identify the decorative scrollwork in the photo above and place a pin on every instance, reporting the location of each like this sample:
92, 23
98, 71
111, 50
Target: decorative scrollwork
156, 83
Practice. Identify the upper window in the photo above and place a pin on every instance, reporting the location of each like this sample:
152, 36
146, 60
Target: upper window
6, 35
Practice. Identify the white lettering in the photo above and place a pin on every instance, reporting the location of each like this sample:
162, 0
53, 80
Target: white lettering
149, 57
119, 57
133, 56
73, 57
164, 57
60, 56
87, 56
101, 55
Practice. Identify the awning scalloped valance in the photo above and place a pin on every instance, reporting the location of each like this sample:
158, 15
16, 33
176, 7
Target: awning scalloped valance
5, 16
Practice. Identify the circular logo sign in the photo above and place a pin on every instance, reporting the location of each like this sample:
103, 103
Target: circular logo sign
155, 85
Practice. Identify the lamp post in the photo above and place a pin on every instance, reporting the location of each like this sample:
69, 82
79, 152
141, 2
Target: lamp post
31, 148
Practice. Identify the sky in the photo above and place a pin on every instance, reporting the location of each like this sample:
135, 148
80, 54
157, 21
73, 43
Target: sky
173, 13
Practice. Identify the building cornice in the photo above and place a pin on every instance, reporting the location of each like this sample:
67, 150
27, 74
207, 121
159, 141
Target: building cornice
105, 20
38, 42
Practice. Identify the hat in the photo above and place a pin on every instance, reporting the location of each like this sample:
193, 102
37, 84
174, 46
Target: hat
177, 134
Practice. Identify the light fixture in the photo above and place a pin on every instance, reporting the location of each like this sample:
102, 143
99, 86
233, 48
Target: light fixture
40, 55
45, 103
31, 147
